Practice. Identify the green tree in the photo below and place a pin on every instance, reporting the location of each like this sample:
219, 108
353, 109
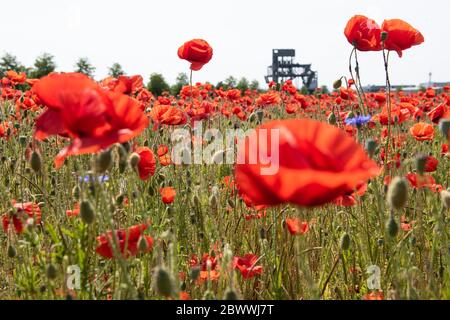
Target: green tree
254, 85
84, 66
43, 65
116, 70
230, 82
243, 84
9, 62
157, 85
324, 90
181, 81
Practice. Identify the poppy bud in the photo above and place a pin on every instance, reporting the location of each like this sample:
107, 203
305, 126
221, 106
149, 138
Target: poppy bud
345, 242
142, 244
337, 84
103, 161
196, 201
371, 146
444, 127
230, 294
260, 115
397, 194
252, 117
76, 192
134, 160
332, 118
194, 273
384, 36
392, 227
421, 161
126, 146
445, 198
231, 203
12, 252
209, 295
87, 212
163, 282
213, 202
36, 162
23, 141
51, 271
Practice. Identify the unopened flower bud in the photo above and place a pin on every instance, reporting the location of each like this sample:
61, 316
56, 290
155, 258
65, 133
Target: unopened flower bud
230, 294
392, 227
445, 198
421, 161
134, 160
103, 161
51, 271
371, 146
337, 84
397, 194
444, 127
87, 212
163, 282
36, 162
12, 252
143, 244
332, 118
345, 242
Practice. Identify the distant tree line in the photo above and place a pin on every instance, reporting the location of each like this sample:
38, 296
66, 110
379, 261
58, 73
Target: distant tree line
45, 64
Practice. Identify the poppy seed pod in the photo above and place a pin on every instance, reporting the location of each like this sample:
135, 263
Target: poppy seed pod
36, 162
392, 227
445, 198
397, 194
87, 212
163, 282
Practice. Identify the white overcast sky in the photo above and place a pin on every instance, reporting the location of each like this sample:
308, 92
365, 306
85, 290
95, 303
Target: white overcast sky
144, 35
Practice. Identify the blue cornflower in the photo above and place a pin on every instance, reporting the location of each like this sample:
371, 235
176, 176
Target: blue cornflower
358, 121
100, 179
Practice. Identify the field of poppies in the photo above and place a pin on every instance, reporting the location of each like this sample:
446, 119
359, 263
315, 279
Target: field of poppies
109, 192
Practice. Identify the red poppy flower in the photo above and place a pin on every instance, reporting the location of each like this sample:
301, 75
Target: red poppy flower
317, 163
22, 212
167, 194
375, 295
400, 35
363, 33
124, 84
197, 51
147, 163
247, 265
75, 212
93, 118
167, 114
127, 239
418, 181
422, 131
295, 226
431, 164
